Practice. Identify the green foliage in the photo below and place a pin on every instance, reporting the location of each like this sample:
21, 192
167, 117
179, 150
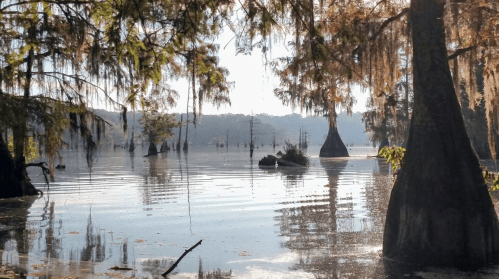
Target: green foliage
491, 179
61, 57
31, 151
394, 155
157, 126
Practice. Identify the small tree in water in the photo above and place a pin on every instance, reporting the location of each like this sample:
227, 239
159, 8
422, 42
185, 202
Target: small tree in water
157, 125
156, 128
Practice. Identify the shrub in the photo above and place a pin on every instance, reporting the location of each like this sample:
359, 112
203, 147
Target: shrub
393, 155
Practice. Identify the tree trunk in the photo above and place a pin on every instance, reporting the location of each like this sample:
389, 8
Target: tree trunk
384, 138
440, 212
164, 146
13, 176
153, 149
333, 146
384, 142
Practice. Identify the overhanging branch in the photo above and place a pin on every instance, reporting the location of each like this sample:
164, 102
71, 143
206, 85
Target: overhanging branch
388, 21
460, 51
45, 170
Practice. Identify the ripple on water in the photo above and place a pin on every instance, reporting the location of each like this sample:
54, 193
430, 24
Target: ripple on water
324, 221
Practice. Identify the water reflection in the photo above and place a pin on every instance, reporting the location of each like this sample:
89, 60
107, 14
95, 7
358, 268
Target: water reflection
94, 249
324, 221
336, 234
188, 190
158, 178
292, 176
132, 157
13, 220
52, 240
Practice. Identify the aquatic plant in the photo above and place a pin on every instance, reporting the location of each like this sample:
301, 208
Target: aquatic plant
294, 155
491, 179
394, 155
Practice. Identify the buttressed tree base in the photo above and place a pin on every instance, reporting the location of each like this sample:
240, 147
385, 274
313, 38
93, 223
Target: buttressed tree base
440, 212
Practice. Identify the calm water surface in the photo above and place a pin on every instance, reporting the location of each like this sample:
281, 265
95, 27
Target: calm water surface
324, 221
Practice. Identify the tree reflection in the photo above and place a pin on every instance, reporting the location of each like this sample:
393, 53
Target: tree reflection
158, 179
292, 176
378, 195
214, 274
54, 244
325, 233
156, 266
95, 244
13, 228
132, 157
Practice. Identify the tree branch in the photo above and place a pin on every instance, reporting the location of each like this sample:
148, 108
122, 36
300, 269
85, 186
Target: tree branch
45, 170
388, 21
460, 51
179, 259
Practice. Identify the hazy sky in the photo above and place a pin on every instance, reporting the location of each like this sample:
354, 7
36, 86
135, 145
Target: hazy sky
254, 84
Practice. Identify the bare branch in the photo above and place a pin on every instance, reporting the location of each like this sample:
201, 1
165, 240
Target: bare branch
388, 21
45, 170
179, 259
460, 51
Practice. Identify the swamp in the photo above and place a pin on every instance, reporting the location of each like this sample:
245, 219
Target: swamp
141, 213
86, 85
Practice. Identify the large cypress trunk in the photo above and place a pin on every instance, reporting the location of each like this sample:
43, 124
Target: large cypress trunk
13, 175
333, 146
14, 180
440, 212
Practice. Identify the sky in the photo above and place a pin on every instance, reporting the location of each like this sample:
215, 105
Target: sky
253, 91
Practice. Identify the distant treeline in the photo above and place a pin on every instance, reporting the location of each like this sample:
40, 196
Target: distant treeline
212, 129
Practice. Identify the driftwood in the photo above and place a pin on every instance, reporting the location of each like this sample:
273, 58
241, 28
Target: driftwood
181, 257
120, 268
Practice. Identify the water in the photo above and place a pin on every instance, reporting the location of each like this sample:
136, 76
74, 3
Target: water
324, 221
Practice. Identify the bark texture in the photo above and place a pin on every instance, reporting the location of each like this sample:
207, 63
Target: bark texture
440, 212
14, 180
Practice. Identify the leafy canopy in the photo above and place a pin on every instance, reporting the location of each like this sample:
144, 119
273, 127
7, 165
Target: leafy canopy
59, 58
